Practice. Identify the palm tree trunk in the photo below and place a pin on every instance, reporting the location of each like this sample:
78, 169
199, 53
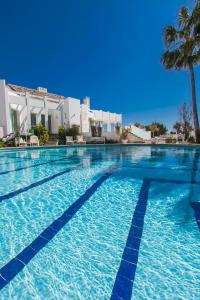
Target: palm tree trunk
194, 102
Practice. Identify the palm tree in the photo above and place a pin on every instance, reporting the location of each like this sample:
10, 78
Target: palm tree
154, 129
182, 53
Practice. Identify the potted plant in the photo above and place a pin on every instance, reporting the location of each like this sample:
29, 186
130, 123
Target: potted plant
124, 136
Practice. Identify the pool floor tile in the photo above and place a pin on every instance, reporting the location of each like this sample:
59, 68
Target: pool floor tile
123, 288
2, 282
26, 255
130, 255
38, 243
11, 269
127, 270
133, 242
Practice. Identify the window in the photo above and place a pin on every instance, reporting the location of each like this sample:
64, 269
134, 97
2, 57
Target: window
49, 124
33, 120
113, 128
14, 120
105, 128
43, 120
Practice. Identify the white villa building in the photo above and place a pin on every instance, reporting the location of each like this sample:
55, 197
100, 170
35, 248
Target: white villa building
22, 108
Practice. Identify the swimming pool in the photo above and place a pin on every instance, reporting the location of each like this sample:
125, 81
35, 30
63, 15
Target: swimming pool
100, 222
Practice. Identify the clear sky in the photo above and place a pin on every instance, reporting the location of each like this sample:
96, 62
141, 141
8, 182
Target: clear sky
107, 49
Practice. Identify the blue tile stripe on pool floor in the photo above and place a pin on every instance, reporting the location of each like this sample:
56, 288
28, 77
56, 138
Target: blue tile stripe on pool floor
196, 208
14, 266
38, 183
33, 166
123, 285
33, 185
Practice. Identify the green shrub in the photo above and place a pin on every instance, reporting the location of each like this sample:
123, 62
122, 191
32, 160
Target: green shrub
42, 133
73, 131
62, 133
10, 143
170, 141
62, 136
191, 140
2, 144
124, 133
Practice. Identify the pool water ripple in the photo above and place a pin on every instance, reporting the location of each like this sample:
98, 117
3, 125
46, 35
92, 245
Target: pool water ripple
82, 260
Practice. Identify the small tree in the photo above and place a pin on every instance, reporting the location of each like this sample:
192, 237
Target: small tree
42, 133
61, 136
178, 127
154, 129
73, 131
157, 128
139, 125
124, 133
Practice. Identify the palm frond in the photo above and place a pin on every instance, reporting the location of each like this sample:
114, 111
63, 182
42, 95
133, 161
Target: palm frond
170, 59
183, 41
195, 17
170, 35
197, 30
183, 17
197, 57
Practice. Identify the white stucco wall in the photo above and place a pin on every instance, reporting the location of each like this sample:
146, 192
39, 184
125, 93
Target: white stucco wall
71, 112
106, 117
85, 125
16, 99
98, 115
55, 120
5, 121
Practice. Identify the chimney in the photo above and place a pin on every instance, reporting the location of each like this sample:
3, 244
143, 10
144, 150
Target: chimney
42, 89
86, 101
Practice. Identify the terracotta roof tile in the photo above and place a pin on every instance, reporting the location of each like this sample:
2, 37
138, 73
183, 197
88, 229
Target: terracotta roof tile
35, 92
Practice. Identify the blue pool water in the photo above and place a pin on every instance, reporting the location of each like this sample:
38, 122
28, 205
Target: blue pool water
106, 222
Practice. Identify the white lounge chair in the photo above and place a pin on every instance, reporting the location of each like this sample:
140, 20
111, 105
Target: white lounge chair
19, 142
34, 141
69, 140
80, 140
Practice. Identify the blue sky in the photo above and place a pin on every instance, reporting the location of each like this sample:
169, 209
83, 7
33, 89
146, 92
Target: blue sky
107, 49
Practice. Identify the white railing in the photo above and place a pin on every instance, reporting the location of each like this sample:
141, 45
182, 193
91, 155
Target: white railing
139, 132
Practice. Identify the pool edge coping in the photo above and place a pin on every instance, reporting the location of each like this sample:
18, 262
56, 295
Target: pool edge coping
101, 145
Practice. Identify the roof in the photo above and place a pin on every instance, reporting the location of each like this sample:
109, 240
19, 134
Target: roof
35, 92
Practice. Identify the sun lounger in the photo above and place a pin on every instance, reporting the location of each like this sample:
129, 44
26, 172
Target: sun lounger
34, 141
19, 142
80, 140
69, 140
